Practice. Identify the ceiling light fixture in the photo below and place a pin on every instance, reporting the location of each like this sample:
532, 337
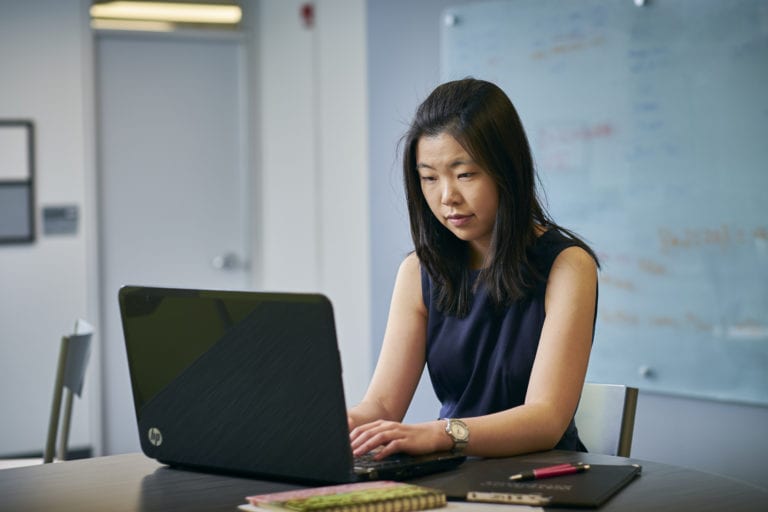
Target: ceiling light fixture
168, 12
133, 25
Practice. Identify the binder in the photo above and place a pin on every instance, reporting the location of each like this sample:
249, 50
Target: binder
489, 482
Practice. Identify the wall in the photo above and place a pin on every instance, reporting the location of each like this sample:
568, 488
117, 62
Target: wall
45, 286
308, 151
712, 436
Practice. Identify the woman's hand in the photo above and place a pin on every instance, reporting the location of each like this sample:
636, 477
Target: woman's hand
353, 420
389, 437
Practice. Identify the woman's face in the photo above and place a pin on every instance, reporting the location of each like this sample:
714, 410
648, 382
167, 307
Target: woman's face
461, 194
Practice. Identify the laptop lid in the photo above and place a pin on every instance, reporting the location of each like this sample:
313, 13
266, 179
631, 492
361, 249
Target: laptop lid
245, 382
237, 381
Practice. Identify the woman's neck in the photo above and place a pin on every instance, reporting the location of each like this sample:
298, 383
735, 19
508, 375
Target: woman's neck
477, 259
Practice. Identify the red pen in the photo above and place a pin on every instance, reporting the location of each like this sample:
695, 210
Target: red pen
550, 471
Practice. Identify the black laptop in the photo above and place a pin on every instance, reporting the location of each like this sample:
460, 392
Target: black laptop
247, 383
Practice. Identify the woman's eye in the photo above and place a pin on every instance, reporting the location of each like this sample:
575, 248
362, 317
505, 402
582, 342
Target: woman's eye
465, 175
428, 178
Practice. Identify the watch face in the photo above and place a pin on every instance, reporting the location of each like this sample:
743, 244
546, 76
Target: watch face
459, 430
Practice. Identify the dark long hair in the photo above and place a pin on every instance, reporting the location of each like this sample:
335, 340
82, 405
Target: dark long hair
481, 118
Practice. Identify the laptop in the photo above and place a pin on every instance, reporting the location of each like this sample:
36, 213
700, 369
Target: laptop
247, 383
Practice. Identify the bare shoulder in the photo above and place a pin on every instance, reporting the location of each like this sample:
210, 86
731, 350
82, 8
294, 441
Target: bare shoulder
572, 282
575, 260
410, 265
574, 271
408, 285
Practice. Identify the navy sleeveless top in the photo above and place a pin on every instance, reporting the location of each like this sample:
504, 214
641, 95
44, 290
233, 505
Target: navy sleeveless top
480, 364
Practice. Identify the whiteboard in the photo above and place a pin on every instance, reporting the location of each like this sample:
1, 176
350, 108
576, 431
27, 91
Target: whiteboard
649, 127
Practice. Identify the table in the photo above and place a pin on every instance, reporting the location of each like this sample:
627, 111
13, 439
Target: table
133, 483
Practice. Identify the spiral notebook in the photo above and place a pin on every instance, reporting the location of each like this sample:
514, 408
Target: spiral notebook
363, 496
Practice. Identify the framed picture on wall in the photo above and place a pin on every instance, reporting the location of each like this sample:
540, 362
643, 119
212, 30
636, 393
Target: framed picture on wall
17, 181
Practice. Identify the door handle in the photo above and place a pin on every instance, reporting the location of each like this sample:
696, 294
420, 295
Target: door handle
228, 261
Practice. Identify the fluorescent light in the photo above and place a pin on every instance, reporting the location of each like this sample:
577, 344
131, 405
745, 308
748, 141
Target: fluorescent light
142, 26
168, 11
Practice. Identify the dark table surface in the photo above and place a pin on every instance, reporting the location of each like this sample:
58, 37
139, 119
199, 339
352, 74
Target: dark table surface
133, 482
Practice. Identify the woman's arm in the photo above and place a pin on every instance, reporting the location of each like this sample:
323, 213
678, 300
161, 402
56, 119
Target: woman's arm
402, 356
554, 388
559, 368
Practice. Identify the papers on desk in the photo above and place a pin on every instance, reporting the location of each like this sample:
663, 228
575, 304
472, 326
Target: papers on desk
489, 507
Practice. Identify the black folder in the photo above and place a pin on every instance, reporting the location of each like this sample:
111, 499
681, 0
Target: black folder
488, 481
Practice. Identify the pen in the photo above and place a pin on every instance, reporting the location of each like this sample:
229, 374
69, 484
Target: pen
550, 471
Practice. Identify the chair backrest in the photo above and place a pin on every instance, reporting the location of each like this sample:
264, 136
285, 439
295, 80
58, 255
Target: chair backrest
74, 352
606, 418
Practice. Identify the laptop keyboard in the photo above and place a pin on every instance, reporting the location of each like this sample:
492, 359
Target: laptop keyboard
402, 466
367, 462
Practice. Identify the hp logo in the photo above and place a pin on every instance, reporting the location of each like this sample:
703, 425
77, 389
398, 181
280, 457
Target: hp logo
155, 436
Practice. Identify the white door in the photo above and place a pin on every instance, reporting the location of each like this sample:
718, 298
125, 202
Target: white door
172, 191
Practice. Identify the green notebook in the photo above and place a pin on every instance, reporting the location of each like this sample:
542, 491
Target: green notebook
384, 496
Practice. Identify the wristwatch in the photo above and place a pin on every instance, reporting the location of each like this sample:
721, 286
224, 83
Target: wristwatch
459, 432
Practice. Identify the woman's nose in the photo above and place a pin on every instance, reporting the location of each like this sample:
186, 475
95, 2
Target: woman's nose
450, 194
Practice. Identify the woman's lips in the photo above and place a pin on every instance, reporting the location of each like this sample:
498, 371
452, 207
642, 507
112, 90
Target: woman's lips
459, 220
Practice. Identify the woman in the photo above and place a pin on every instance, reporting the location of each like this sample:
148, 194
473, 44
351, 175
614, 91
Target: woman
497, 300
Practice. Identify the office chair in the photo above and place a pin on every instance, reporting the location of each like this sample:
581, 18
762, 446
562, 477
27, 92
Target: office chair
70, 374
74, 351
606, 418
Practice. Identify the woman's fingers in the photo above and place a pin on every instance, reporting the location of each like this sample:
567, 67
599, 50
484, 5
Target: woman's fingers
389, 437
370, 436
